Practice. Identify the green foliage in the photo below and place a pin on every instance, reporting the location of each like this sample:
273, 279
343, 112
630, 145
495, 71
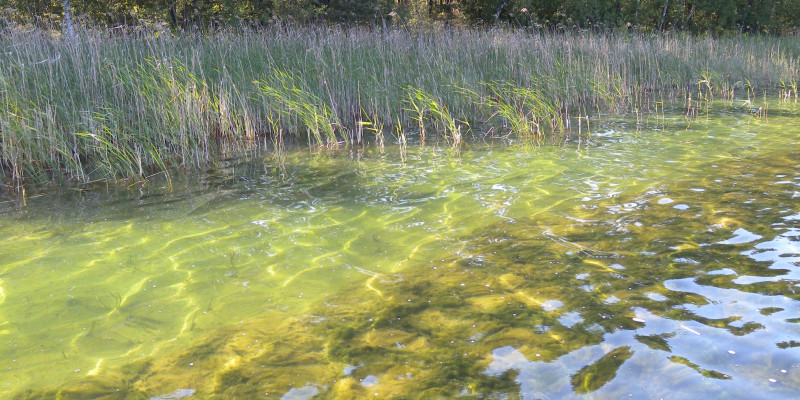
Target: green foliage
697, 16
525, 109
479, 10
120, 104
358, 10
290, 96
426, 106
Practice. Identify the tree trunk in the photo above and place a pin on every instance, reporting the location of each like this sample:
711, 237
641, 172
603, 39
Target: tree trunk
688, 17
663, 15
68, 30
744, 18
173, 14
499, 10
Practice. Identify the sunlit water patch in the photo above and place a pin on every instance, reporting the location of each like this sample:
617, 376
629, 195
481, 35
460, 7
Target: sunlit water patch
656, 259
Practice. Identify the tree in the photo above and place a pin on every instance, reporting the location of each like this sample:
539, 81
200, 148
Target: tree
357, 10
697, 16
68, 30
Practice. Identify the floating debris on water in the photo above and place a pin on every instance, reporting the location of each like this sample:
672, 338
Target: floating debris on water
690, 330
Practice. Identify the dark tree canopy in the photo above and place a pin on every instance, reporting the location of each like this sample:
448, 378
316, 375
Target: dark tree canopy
697, 16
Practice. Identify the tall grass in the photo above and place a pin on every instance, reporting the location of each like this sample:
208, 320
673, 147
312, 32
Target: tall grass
117, 105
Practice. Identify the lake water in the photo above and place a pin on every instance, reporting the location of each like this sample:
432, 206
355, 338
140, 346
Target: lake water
658, 259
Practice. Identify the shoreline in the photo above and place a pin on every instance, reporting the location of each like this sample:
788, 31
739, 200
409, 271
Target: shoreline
110, 106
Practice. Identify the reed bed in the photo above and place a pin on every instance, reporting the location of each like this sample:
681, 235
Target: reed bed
126, 105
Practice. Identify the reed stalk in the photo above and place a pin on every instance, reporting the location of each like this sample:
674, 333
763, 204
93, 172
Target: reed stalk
128, 104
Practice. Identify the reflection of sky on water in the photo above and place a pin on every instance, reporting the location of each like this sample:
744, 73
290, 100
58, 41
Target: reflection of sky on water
783, 252
742, 236
738, 343
632, 266
303, 393
702, 361
369, 380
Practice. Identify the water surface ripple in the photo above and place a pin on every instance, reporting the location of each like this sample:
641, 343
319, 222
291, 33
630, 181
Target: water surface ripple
658, 259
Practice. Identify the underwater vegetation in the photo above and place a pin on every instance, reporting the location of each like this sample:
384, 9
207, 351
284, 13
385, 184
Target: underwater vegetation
536, 304
655, 257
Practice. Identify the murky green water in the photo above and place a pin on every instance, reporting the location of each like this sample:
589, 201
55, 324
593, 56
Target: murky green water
659, 259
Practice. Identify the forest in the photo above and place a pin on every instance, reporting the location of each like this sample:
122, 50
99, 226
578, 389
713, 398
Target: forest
695, 16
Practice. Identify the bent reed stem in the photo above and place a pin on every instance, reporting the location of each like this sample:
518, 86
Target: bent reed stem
121, 105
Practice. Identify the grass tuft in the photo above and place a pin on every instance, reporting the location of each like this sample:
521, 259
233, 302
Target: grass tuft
122, 105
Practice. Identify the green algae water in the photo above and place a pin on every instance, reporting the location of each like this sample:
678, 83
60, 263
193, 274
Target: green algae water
652, 259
